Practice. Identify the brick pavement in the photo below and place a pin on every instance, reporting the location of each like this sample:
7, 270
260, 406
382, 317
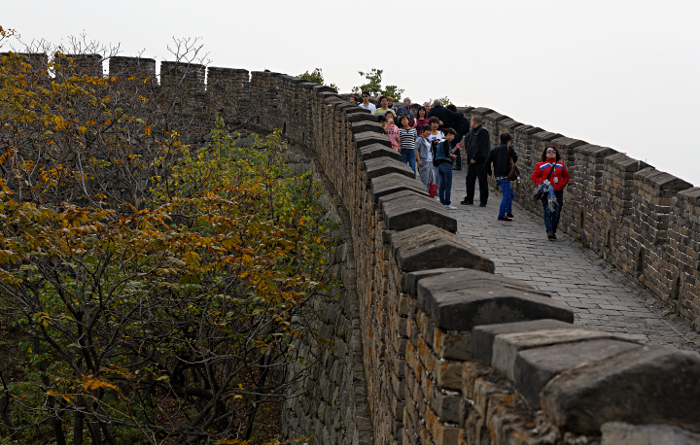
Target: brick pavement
602, 298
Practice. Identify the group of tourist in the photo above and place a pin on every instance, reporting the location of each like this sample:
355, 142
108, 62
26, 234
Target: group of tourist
430, 141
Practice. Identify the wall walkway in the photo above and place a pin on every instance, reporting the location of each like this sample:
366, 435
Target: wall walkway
601, 296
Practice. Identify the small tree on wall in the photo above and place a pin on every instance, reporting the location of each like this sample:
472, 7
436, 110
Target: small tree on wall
374, 85
316, 76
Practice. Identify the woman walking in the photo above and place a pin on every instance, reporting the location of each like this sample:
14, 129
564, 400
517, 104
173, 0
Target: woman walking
552, 172
407, 138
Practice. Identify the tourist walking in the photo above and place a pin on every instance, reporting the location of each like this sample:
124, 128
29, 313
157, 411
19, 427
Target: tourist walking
384, 107
424, 157
392, 132
444, 158
354, 99
478, 148
553, 173
407, 138
366, 104
422, 118
503, 159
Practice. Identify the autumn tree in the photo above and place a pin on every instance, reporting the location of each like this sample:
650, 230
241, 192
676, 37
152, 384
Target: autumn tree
158, 276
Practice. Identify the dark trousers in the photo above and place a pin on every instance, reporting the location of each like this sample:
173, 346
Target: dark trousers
445, 187
453, 144
475, 171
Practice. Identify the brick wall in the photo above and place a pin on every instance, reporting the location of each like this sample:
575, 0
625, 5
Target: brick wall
445, 352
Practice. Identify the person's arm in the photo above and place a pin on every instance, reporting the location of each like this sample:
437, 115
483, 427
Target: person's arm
487, 164
513, 155
564, 175
416, 150
537, 175
482, 142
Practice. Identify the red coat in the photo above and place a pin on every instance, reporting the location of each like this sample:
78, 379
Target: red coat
559, 178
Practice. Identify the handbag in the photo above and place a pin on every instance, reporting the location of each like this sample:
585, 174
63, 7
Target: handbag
541, 190
432, 186
514, 171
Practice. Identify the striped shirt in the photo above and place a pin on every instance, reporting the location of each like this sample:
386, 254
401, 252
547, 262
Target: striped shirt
408, 138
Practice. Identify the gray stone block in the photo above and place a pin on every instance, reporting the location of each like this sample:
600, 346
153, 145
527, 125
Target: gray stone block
409, 283
411, 210
620, 433
429, 247
359, 116
374, 151
533, 368
489, 302
366, 125
646, 385
394, 182
369, 137
484, 336
383, 166
507, 346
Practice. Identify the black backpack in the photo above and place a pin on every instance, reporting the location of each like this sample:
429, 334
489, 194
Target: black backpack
464, 125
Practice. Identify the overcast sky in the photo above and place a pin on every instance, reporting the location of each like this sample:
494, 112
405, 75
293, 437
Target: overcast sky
622, 74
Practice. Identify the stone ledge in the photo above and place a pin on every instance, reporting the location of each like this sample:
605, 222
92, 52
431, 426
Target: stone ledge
646, 385
486, 301
369, 138
374, 151
395, 182
407, 209
428, 247
384, 165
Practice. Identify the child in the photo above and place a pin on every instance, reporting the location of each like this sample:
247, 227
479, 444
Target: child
407, 136
445, 158
382, 121
392, 131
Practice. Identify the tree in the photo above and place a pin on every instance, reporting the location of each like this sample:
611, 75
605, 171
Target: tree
374, 85
316, 76
158, 277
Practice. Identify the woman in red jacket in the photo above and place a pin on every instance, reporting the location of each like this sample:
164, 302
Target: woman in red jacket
551, 159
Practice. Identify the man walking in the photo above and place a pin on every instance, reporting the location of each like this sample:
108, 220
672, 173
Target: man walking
478, 148
366, 104
501, 158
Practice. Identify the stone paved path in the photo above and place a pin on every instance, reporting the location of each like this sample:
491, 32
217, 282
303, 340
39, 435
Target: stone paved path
602, 298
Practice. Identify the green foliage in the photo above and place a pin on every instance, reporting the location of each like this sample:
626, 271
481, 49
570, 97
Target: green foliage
374, 86
443, 101
316, 76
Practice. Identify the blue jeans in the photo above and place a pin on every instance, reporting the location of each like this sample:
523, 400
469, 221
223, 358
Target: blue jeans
552, 221
445, 184
507, 201
409, 157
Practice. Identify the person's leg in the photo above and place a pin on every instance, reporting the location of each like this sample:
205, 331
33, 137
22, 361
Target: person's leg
511, 196
448, 184
555, 218
471, 181
412, 161
547, 217
436, 172
441, 185
425, 176
483, 184
503, 210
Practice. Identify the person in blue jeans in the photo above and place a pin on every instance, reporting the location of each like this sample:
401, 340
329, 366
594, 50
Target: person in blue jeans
445, 158
503, 159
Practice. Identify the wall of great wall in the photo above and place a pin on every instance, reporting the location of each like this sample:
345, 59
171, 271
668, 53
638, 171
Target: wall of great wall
442, 350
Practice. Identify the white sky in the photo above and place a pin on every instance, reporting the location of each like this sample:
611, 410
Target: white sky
622, 74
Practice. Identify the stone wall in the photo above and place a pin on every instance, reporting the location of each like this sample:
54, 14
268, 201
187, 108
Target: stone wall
451, 353
644, 221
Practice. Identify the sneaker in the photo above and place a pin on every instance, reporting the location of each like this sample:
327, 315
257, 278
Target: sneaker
554, 236
482, 205
451, 207
505, 219
467, 203
551, 236
510, 215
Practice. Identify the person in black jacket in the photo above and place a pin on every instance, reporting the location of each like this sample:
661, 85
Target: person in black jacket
501, 158
478, 148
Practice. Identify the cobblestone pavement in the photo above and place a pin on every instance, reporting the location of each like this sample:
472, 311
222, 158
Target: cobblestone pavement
602, 298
